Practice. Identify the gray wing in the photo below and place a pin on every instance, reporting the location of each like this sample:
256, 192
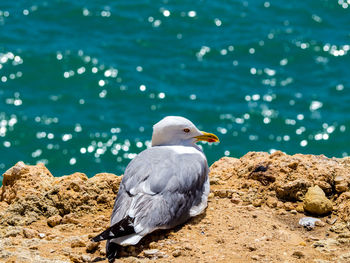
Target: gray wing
159, 188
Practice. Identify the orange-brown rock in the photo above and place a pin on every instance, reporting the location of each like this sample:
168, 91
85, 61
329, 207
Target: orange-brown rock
253, 212
316, 202
24, 189
29, 192
279, 175
343, 206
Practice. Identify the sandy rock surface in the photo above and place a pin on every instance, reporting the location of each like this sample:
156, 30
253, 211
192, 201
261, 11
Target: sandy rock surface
253, 212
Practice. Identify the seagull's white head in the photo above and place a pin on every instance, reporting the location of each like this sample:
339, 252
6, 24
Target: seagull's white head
175, 130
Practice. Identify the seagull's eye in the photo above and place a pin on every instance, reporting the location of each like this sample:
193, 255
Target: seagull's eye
186, 130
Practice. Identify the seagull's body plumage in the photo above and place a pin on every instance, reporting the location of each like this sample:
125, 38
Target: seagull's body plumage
162, 187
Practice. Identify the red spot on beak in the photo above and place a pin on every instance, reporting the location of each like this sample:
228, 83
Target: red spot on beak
211, 140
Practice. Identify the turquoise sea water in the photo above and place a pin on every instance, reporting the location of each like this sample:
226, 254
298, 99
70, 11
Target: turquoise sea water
82, 82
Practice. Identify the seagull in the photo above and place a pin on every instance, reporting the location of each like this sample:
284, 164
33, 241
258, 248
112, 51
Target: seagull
162, 187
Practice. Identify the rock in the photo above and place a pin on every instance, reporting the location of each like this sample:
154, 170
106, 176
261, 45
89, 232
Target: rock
342, 187
42, 235
279, 181
341, 184
300, 208
343, 206
76, 193
279, 175
50, 236
319, 223
30, 233
344, 235
31, 192
77, 243
262, 173
288, 206
257, 202
223, 193
187, 247
24, 188
67, 251
316, 202
33, 247
325, 243
339, 227
250, 207
313, 238
235, 200
11, 182
331, 221
271, 202
298, 254
280, 204
343, 240
85, 258
54, 220
75, 258
102, 198
345, 256
150, 252
153, 245
292, 191
132, 260
70, 219
214, 181
293, 165
13, 231
176, 253
282, 212
252, 248
91, 247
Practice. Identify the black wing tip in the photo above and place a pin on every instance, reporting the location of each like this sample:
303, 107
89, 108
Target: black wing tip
112, 251
100, 236
122, 228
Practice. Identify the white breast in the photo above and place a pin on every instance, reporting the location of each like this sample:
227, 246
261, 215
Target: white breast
186, 150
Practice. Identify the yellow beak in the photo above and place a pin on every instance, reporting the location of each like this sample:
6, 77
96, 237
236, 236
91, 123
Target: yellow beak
208, 137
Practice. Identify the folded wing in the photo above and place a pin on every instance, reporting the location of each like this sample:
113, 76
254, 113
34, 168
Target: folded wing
160, 189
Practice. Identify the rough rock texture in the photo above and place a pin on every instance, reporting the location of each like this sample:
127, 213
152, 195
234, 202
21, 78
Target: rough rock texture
316, 202
253, 212
277, 177
29, 192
